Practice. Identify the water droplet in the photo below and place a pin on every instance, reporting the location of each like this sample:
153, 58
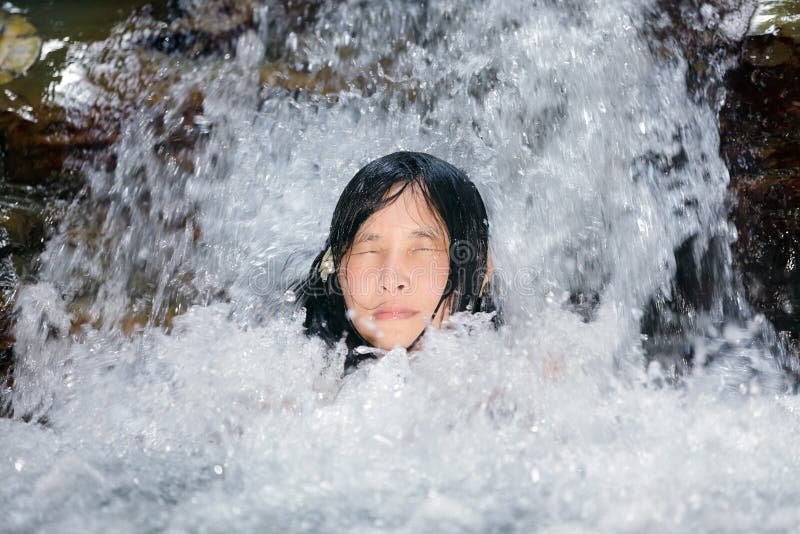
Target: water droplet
535, 475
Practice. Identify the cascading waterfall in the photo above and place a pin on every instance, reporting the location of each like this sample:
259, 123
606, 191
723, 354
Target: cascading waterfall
161, 362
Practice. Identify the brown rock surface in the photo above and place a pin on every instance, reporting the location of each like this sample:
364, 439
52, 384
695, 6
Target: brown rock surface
35, 152
760, 141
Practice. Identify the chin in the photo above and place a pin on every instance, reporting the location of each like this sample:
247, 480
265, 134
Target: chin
390, 341
394, 335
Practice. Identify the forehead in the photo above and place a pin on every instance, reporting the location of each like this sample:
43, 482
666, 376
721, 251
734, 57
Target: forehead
408, 211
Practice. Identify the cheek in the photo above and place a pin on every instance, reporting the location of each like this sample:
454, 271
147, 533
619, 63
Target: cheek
441, 272
358, 281
431, 278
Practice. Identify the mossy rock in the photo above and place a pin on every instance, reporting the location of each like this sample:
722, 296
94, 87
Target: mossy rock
19, 46
777, 17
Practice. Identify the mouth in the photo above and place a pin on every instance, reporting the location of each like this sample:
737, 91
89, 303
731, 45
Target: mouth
393, 313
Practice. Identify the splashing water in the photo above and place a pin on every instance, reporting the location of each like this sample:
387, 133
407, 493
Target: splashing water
174, 389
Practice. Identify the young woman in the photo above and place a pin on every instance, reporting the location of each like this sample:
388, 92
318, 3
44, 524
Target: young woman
408, 247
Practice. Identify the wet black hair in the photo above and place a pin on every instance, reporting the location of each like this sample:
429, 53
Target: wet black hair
450, 195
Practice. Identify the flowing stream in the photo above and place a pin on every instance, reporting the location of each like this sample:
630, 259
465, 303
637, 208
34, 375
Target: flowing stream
163, 381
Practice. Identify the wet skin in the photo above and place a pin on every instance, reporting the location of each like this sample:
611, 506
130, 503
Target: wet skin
394, 274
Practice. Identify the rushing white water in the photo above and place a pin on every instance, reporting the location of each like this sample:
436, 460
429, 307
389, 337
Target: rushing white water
232, 420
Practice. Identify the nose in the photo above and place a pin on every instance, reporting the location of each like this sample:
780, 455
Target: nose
394, 275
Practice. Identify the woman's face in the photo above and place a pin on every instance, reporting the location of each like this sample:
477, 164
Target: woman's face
395, 272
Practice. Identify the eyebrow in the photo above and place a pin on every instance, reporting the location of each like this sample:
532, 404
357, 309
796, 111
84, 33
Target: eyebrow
429, 232
365, 238
425, 232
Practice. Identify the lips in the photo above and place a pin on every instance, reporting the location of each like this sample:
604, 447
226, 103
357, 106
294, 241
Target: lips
393, 313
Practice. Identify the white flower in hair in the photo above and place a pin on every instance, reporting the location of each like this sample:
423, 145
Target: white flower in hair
326, 267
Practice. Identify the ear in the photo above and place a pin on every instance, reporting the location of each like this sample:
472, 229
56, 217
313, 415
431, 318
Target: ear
489, 271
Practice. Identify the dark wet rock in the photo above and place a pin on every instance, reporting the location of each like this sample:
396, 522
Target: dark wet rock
52, 147
678, 31
707, 35
47, 144
8, 289
179, 131
752, 78
700, 289
26, 226
760, 141
213, 27
204, 29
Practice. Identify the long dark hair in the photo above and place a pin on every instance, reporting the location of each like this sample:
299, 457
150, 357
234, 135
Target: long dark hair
448, 193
